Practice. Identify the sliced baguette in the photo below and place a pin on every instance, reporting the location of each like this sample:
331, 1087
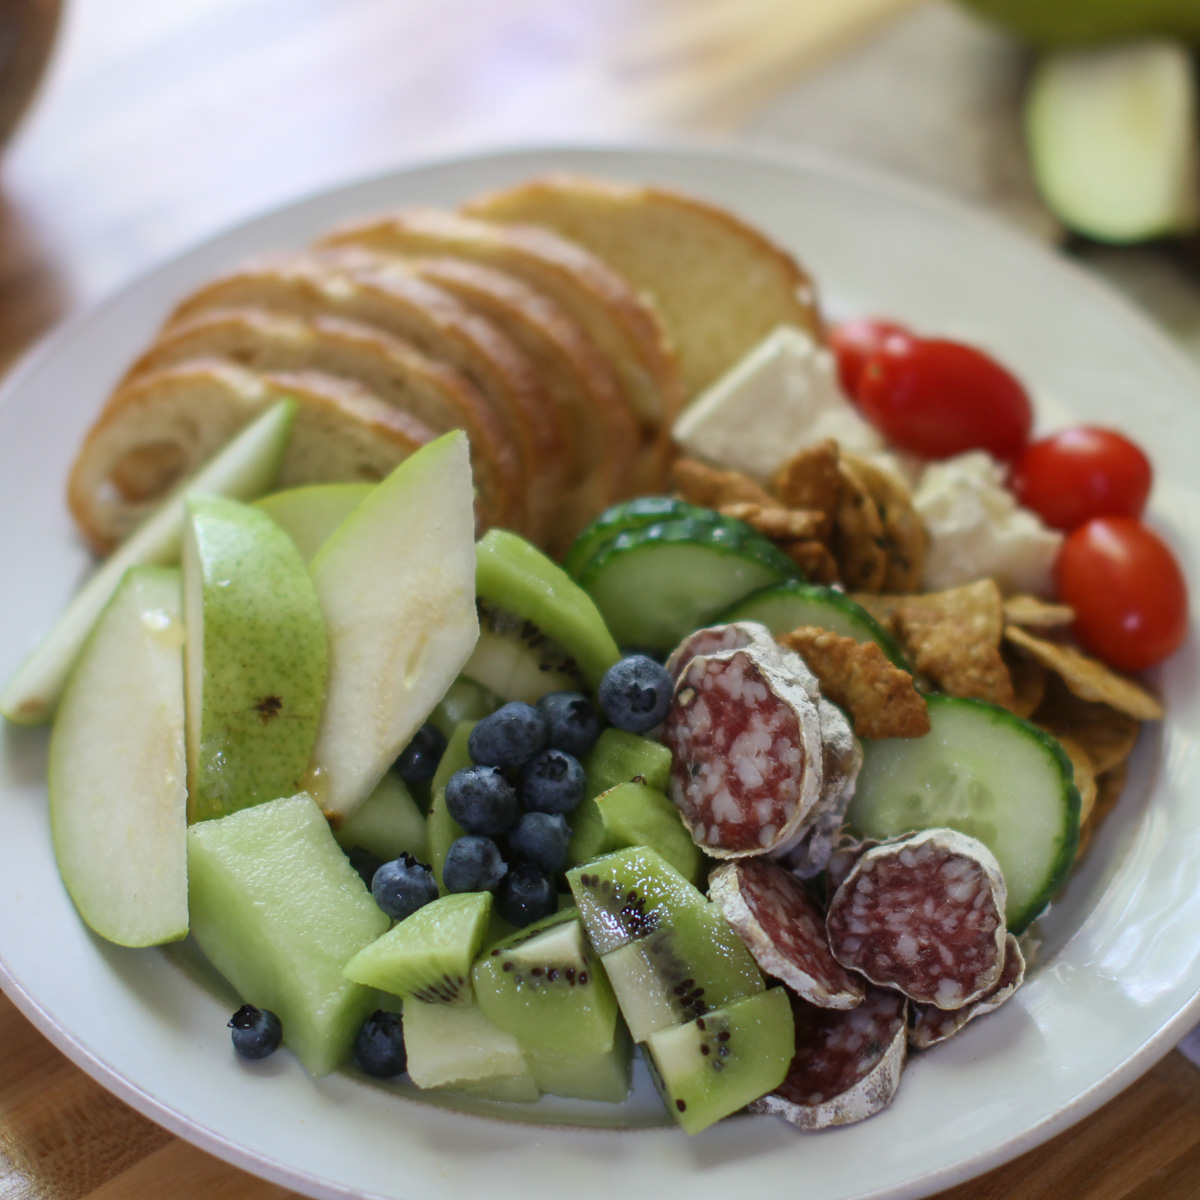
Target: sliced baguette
436, 394
719, 285
343, 283
160, 427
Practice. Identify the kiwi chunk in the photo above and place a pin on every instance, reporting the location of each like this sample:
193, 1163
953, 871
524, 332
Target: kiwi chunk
721, 1061
388, 823
455, 1045
604, 1076
545, 986
635, 814
428, 955
539, 631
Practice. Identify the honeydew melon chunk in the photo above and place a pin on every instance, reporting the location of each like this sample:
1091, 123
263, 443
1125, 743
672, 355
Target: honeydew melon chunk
603, 1076
244, 469
396, 582
442, 831
118, 767
310, 515
1113, 139
255, 658
388, 824
428, 955
456, 1046
279, 911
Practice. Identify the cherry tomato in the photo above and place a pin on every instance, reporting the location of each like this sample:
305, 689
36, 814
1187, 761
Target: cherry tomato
1077, 474
938, 398
854, 342
1128, 593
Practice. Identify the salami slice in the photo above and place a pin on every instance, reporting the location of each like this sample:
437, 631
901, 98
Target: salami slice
847, 1064
745, 744
784, 929
929, 1025
743, 635
923, 914
842, 861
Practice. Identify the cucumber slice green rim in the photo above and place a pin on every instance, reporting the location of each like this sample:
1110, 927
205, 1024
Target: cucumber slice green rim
989, 774
657, 584
786, 606
631, 514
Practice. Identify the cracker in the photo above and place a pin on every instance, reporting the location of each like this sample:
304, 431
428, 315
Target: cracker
1108, 736
951, 653
1108, 791
814, 559
810, 479
857, 676
709, 487
779, 524
906, 537
1031, 612
1088, 678
1029, 684
1085, 776
858, 541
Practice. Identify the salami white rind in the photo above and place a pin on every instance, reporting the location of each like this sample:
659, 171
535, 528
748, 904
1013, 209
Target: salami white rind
745, 742
842, 861
923, 914
784, 929
929, 1025
847, 1064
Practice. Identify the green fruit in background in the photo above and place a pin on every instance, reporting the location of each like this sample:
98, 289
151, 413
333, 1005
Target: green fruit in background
1061, 23
117, 776
254, 662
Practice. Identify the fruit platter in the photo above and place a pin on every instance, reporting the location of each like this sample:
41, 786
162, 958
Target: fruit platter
564, 749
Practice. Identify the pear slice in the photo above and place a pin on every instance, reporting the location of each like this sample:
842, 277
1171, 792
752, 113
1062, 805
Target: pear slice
244, 469
309, 515
117, 774
255, 659
1114, 141
397, 585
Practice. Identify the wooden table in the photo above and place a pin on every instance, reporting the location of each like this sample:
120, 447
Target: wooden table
160, 123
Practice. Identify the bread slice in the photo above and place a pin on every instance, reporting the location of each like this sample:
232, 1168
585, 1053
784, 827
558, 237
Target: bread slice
352, 285
436, 394
157, 429
602, 302
601, 431
719, 285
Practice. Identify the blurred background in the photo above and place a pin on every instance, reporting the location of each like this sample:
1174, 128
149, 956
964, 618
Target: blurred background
156, 124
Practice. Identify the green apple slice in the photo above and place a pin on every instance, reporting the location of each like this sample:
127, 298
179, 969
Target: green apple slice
309, 515
397, 585
1113, 139
244, 469
117, 774
255, 658
279, 911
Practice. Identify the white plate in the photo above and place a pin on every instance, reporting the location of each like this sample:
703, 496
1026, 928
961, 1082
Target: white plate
1120, 970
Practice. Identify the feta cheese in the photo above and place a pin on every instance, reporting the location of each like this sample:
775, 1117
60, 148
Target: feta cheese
976, 528
781, 397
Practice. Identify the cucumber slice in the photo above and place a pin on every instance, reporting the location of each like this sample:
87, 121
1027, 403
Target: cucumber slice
653, 586
988, 774
632, 514
786, 606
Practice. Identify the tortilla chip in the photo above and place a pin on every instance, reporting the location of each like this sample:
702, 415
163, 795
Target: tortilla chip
858, 541
814, 559
1034, 613
881, 607
977, 605
1106, 735
698, 483
1085, 776
1029, 684
780, 524
904, 532
810, 479
880, 698
1088, 678
1108, 791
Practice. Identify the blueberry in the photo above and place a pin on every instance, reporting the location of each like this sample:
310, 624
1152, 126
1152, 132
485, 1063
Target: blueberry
526, 895
541, 839
379, 1045
402, 886
553, 782
635, 693
513, 734
571, 721
473, 864
481, 800
256, 1031
418, 761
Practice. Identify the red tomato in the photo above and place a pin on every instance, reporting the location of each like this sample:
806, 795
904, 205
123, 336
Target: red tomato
1128, 593
937, 398
854, 342
1077, 474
